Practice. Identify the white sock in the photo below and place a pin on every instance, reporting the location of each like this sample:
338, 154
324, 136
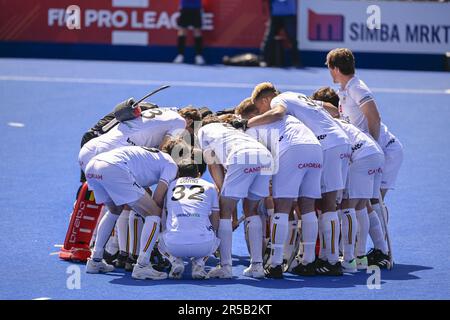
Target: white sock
331, 230
289, 244
377, 208
122, 231
104, 230
149, 235
135, 225
376, 233
225, 234
255, 238
310, 229
112, 245
279, 228
348, 237
363, 231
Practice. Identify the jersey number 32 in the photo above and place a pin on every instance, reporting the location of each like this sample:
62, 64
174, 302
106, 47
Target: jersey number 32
192, 193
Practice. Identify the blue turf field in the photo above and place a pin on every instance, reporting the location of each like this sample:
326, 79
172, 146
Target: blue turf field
58, 100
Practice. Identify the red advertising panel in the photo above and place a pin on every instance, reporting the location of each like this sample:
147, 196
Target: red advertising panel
226, 23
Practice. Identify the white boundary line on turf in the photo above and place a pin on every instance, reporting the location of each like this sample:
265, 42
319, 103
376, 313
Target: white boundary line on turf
42, 298
236, 85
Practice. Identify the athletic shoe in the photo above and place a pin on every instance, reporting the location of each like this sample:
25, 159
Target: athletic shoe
179, 59
147, 272
274, 272
157, 260
121, 260
93, 266
109, 258
199, 60
131, 261
177, 269
305, 270
198, 271
221, 272
349, 266
361, 263
255, 270
325, 268
378, 258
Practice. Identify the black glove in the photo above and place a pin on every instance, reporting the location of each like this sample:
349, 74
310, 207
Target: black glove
240, 124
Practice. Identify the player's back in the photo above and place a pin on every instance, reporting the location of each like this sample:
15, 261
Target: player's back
283, 133
148, 130
362, 144
147, 165
189, 203
227, 142
314, 116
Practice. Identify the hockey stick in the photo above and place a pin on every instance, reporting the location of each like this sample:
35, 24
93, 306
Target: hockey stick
388, 239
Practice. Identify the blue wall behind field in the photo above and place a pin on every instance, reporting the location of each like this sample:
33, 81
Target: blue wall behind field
427, 62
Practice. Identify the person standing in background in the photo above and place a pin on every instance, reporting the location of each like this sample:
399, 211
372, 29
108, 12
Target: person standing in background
190, 16
283, 15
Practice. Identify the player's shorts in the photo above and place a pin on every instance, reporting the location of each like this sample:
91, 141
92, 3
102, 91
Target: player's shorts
86, 154
246, 181
112, 183
393, 158
364, 177
299, 173
190, 17
335, 168
180, 246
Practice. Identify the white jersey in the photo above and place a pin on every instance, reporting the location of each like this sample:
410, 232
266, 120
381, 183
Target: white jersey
351, 99
362, 144
189, 203
278, 136
148, 166
314, 116
148, 131
228, 143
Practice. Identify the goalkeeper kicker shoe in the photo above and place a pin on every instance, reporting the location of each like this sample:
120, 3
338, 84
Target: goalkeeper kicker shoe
101, 266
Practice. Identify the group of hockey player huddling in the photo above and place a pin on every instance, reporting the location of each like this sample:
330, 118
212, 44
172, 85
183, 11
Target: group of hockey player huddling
311, 171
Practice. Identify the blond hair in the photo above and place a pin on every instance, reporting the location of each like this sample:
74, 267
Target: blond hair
263, 89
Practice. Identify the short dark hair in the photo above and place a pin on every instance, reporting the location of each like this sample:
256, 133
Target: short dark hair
188, 169
326, 94
343, 59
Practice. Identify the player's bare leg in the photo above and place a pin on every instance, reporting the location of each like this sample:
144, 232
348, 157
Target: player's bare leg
181, 45
96, 263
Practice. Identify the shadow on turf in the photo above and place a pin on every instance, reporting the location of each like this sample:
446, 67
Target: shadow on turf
401, 272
